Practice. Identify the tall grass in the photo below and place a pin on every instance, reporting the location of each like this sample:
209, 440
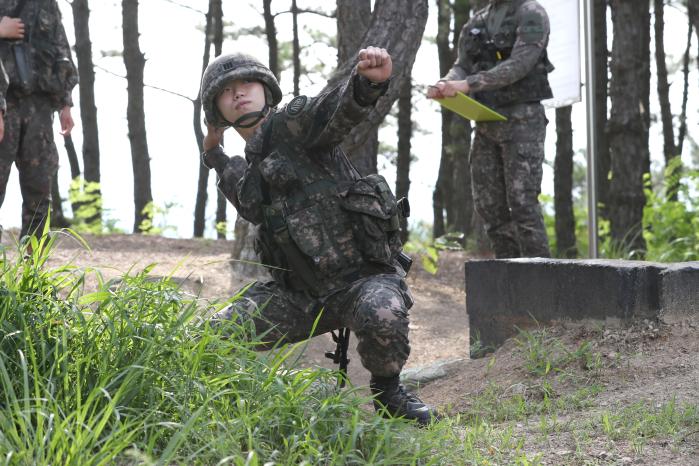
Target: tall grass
131, 374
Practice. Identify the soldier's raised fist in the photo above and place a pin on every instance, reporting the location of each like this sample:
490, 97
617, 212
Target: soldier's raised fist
375, 64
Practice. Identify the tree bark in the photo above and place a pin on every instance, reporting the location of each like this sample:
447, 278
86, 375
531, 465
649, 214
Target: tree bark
693, 14
601, 96
271, 33
296, 47
443, 186
628, 131
669, 148
405, 133
58, 218
88, 108
685, 90
563, 185
452, 195
203, 180
352, 23
134, 62
397, 26
217, 22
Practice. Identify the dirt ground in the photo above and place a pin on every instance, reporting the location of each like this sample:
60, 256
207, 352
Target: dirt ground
650, 363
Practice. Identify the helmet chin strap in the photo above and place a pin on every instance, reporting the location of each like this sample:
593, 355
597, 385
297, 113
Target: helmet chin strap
252, 117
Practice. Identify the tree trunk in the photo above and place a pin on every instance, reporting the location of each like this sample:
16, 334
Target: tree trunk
352, 23
58, 218
271, 33
88, 109
669, 148
135, 115
74, 171
203, 181
296, 47
452, 195
628, 132
405, 133
221, 201
563, 185
693, 13
601, 96
397, 26
443, 186
685, 90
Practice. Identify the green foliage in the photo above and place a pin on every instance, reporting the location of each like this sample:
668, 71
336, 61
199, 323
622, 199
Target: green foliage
420, 244
671, 216
155, 219
131, 373
640, 422
89, 215
545, 354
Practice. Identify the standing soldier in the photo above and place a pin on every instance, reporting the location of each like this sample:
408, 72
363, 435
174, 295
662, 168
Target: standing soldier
36, 55
330, 236
503, 63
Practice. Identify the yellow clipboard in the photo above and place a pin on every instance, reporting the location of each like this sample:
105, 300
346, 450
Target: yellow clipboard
469, 108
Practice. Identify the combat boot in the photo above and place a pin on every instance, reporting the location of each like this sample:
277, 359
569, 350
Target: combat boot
392, 400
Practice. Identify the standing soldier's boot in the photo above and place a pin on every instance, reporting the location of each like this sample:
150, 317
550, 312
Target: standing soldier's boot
391, 395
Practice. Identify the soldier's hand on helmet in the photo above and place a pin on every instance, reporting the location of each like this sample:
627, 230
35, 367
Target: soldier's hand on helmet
444, 88
213, 137
11, 28
66, 120
375, 64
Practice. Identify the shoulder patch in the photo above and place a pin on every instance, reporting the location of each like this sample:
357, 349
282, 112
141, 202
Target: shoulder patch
532, 27
295, 107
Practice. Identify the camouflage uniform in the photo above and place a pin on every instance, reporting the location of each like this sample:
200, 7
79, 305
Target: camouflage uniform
331, 236
502, 56
29, 119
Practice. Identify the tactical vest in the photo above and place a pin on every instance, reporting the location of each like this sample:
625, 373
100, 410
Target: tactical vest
486, 49
44, 68
317, 233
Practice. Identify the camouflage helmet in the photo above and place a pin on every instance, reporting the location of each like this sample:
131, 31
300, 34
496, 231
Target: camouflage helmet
234, 66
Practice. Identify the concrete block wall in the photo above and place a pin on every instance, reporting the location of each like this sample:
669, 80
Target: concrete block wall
506, 294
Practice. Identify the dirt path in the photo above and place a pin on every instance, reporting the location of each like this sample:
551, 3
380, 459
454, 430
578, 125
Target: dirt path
594, 371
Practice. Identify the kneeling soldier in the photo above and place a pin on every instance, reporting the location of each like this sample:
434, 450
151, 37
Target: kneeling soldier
329, 235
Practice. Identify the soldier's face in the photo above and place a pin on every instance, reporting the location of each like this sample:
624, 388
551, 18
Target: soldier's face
240, 96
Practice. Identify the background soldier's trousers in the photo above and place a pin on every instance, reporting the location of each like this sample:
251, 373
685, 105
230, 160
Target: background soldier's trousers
28, 143
506, 168
374, 308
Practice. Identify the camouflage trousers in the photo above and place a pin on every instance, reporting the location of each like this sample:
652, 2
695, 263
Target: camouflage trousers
506, 168
375, 308
28, 143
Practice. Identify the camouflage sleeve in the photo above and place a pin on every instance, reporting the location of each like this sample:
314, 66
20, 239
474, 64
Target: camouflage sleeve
326, 119
3, 87
462, 66
66, 68
532, 38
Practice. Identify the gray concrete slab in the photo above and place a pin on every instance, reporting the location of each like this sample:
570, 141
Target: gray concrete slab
679, 289
503, 295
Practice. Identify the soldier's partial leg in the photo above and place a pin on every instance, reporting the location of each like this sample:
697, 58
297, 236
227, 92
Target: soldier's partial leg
37, 162
9, 145
376, 309
523, 172
489, 194
282, 315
